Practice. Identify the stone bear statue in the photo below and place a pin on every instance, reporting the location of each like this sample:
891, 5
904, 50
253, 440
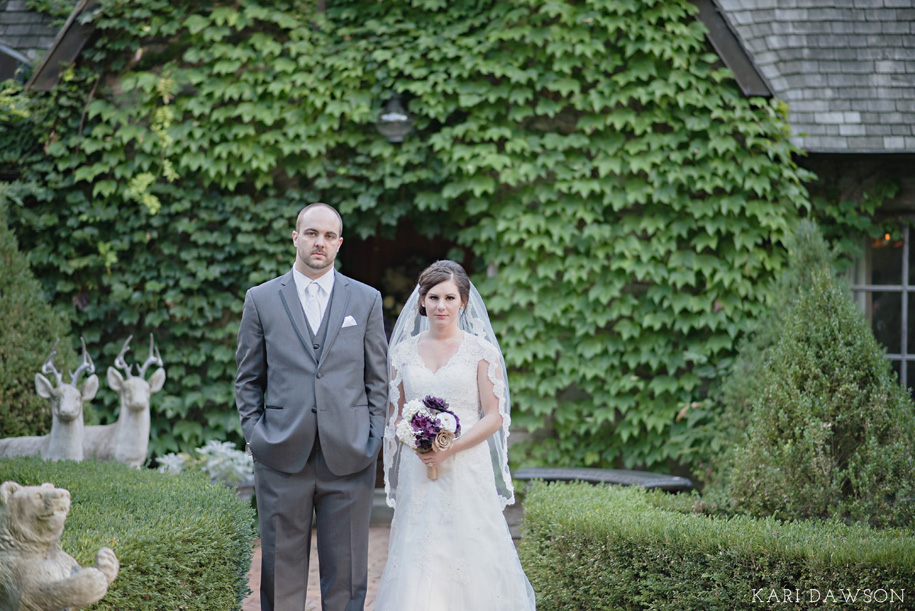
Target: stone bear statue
35, 573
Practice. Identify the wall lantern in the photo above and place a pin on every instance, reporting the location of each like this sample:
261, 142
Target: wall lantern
394, 123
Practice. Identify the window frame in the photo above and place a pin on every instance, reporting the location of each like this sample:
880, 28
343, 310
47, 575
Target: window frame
862, 291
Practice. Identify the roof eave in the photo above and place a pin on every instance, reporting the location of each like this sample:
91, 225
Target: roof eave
731, 51
66, 47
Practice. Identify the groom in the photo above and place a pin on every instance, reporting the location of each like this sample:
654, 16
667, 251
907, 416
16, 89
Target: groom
311, 391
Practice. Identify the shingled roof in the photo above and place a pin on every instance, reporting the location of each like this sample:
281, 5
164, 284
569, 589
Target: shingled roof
24, 30
847, 74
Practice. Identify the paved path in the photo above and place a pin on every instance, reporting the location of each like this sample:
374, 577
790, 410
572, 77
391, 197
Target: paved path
378, 555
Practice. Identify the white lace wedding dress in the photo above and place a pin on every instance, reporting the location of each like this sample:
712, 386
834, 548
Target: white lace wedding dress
450, 548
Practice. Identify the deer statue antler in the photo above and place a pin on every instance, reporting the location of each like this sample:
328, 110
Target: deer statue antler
120, 362
48, 366
86, 365
153, 359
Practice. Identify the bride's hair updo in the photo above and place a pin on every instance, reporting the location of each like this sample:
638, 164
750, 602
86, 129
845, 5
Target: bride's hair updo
442, 271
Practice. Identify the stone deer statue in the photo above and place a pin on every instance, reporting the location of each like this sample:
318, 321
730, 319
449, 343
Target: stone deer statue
127, 440
65, 441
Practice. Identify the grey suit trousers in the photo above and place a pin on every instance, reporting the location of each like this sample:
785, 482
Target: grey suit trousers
342, 508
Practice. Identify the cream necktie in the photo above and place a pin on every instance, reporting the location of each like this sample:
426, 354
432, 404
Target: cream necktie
312, 308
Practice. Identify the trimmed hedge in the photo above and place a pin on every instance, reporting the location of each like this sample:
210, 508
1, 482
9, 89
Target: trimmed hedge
182, 541
588, 547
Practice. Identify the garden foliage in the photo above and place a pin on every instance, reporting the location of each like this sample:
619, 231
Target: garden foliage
627, 202
831, 431
29, 328
609, 548
182, 542
807, 253
57, 9
220, 460
16, 135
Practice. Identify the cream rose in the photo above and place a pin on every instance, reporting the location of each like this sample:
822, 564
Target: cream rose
443, 440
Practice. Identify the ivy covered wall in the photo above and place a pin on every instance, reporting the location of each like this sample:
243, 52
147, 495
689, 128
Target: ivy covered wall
624, 203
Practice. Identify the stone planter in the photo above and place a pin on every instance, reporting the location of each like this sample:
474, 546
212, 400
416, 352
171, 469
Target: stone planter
245, 490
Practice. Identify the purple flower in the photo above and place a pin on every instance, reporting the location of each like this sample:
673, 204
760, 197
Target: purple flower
439, 405
424, 431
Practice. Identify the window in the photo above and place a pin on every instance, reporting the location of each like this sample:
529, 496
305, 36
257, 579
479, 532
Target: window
882, 284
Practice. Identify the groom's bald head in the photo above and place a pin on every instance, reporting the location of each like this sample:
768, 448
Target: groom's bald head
303, 211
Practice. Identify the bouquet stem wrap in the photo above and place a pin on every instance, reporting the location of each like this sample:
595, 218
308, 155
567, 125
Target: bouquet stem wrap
442, 442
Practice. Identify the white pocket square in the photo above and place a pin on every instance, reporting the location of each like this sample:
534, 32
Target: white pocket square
349, 321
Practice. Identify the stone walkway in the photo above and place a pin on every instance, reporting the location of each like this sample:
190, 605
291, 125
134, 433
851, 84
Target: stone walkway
379, 534
378, 555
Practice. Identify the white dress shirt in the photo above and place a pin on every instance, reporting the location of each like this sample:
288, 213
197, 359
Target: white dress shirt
325, 284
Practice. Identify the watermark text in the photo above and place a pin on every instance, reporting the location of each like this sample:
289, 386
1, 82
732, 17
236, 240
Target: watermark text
837, 596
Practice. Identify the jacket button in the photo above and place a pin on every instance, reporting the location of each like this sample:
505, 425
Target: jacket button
319, 376
314, 410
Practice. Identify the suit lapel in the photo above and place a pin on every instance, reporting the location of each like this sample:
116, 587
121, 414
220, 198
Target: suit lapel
290, 298
336, 311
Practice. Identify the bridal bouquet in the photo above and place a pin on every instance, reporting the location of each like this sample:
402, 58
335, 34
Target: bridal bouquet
428, 426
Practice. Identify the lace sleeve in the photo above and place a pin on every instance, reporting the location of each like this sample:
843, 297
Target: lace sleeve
495, 374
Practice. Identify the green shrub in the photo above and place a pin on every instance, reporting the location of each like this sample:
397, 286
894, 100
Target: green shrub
807, 251
29, 328
831, 433
589, 548
183, 542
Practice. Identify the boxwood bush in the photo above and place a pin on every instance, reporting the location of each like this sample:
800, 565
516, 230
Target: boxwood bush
807, 252
183, 542
588, 547
831, 431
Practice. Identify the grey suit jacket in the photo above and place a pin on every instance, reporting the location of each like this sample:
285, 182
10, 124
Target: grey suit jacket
285, 396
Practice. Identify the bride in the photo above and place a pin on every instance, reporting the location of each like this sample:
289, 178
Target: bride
450, 547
